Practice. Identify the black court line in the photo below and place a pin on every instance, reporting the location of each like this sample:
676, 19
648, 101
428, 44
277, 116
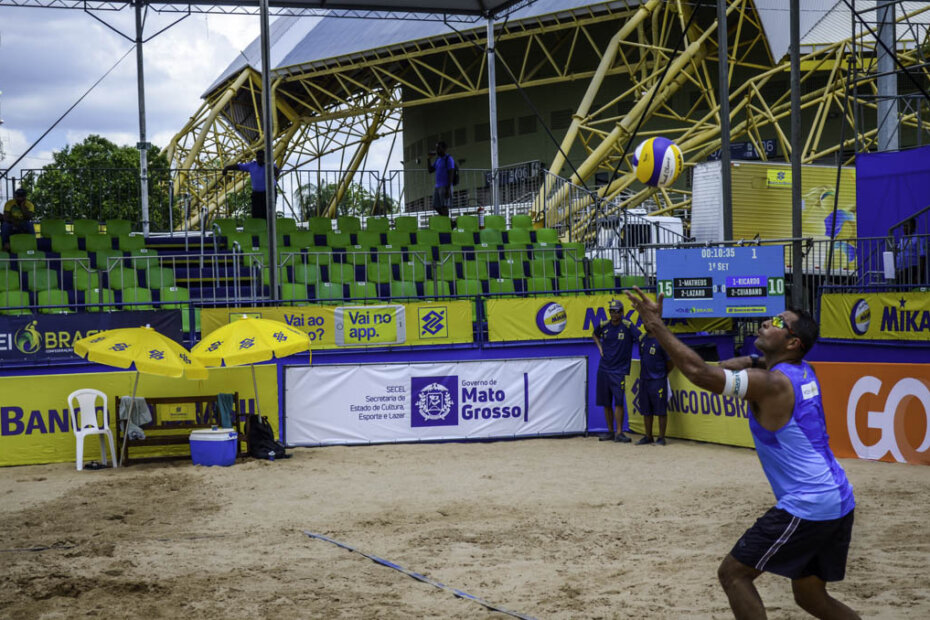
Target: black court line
420, 577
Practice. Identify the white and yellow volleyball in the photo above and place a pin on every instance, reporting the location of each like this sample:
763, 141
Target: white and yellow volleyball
658, 162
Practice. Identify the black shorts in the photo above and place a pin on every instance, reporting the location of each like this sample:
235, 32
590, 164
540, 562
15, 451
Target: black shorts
792, 547
610, 390
653, 396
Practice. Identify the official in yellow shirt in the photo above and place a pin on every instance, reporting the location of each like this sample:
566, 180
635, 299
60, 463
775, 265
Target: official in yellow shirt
17, 217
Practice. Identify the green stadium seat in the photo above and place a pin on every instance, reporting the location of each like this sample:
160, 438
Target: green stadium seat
51, 227
348, 224
121, 278
413, 270
405, 290
446, 271
491, 236
5, 260
358, 257
378, 224
604, 281
178, 298
570, 266
574, 282
64, 242
436, 289
427, 237
86, 228
9, 280
368, 238
501, 285
22, 243
398, 238
379, 273
471, 288
631, 281
319, 257
306, 274
30, 257
422, 253
159, 277
329, 293
463, 238
573, 250
128, 243
539, 285
542, 268
511, 269
285, 225
338, 239
53, 301
102, 297
440, 223
72, 260
340, 273
137, 295
14, 302
300, 239
406, 223
516, 252
320, 225
106, 259
143, 258
467, 222
255, 225
521, 221
225, 226
547, 251
96, 243
602, 266
363, 290
266, 275
118, 227
495, 222
451, 253
518, 235
42, 279
476, 270
294, 292
86, 280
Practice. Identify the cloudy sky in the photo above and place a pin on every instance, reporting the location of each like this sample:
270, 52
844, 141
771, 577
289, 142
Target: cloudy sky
50, 57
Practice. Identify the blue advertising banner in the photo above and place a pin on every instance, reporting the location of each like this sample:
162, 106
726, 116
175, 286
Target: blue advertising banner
43, 338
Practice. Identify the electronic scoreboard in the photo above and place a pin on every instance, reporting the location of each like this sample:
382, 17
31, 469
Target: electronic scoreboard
721, 281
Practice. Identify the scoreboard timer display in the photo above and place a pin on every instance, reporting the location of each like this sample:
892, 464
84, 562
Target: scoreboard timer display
721, 282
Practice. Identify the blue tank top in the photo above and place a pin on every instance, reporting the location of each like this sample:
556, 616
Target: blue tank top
807, 480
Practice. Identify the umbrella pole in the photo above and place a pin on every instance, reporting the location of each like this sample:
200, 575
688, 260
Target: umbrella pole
258, 407
132, 404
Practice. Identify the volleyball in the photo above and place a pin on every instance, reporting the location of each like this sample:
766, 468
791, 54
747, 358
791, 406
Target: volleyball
551, 319
657, 162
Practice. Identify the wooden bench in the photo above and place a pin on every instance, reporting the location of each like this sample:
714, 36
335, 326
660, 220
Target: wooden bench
173, 419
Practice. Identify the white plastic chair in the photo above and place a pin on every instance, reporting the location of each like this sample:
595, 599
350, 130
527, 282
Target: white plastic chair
87, 406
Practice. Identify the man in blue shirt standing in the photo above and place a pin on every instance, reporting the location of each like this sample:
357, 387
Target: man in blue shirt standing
614, 340
654, 366
256, 170
444, 167
806, 535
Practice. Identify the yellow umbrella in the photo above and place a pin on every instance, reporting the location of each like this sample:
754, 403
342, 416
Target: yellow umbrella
250, 340
143, 349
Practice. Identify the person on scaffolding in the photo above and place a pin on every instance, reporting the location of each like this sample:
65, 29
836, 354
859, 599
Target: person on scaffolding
17, 217
444, 167
256, 170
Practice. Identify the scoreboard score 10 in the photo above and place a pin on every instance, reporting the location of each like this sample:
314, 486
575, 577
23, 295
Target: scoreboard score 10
721, 281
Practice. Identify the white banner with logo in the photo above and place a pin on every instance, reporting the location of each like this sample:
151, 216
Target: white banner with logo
386, 403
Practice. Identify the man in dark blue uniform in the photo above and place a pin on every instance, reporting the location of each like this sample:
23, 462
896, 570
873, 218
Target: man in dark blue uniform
654, 366
614, 340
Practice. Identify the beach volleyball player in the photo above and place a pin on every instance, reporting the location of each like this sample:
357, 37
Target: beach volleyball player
806, 535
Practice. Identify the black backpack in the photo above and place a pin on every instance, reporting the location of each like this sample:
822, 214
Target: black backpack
260, 438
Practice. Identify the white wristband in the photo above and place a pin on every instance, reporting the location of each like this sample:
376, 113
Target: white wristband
736, 383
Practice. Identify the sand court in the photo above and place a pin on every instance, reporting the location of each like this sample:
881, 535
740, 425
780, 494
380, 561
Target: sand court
547, 528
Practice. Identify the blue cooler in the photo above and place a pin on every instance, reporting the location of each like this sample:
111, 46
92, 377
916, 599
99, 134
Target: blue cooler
215, 446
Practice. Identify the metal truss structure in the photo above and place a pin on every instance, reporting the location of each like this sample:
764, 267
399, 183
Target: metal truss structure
665, 51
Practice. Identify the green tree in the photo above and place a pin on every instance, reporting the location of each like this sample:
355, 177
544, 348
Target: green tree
357, 200
96, 179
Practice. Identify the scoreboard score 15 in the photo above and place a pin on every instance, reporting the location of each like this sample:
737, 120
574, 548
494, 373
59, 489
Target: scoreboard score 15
721, 281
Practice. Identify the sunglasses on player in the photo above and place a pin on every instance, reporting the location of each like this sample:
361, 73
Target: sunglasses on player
779, 322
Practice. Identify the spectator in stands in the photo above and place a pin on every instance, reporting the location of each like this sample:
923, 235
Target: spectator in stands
910, 255
17, 217
256, 170
444, 167
614, 340
654, 366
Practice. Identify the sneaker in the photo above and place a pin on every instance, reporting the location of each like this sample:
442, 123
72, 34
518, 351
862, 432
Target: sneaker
645, 441
621, 438
605, 437
660, 441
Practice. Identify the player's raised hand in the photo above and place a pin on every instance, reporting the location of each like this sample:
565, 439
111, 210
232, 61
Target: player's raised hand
650, 312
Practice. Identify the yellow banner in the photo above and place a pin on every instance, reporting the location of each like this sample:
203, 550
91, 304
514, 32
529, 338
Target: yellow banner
34, 421
333, 327
876, 316
560, 318
694, 413
778, 178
